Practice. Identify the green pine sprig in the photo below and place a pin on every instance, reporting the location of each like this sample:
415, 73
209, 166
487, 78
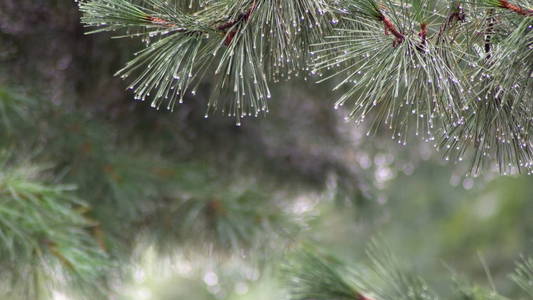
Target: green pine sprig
243, 44
43, 229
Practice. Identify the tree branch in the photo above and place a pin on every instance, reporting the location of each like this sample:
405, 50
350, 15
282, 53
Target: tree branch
390, 28
456, 15
165, 23
515, 8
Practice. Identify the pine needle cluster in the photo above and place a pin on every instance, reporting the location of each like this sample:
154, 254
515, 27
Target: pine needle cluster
456, 73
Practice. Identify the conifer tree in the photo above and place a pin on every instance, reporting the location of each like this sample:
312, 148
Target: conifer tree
102, 199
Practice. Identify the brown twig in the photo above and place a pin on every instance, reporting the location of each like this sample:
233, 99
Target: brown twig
390, 28
52, 247
517, 9
243, 17
457, 15
163, 22
159, 21
215, 207
423, 33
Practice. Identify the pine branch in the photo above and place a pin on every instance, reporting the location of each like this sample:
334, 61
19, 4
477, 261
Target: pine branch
434, 78
388, 79
523, 275
12, 106
515, 8
320, 277
255, 32
42, 228
392, 279
499, 125
431, 79
311, 276
314, 276
227, 217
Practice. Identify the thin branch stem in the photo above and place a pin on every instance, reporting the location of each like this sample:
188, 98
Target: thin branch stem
423, 36
517, 9
456, 15
390, 28
164, 23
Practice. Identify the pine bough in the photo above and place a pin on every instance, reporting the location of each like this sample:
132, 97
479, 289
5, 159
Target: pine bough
457, 73
313, 275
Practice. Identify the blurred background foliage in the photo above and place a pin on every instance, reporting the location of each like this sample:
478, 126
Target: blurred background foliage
101, 196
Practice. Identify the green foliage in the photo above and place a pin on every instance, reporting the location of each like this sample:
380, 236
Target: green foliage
396, 281
241, 43
226, 215
440, 76
468, 292
169, 203
311, 276
523, 275
43, 229
316, 276
11, 106
498, 122
443, 74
